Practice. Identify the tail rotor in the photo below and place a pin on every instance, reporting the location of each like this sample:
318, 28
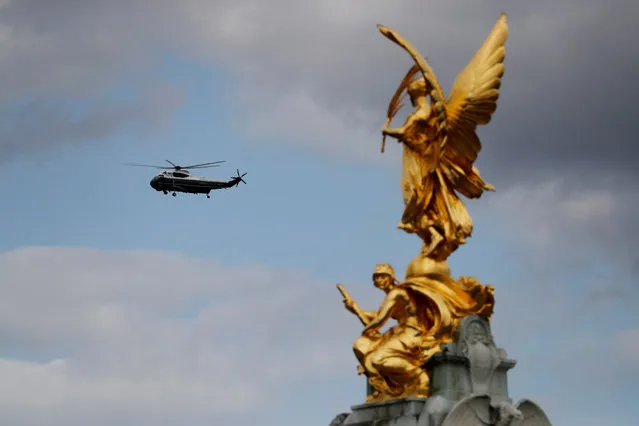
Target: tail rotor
238, 178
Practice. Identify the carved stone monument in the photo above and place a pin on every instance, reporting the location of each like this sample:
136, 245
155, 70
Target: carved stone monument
438, 365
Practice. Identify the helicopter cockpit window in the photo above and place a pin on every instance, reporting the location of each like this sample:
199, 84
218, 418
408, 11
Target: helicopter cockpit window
180, 174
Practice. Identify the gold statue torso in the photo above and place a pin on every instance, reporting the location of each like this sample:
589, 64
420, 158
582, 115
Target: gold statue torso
405, 313
421, 151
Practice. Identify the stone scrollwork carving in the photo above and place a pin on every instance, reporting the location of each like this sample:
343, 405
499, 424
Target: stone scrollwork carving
477, 345
477, 410
339, 419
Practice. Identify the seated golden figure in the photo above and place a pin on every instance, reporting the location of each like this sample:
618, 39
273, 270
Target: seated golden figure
426, 311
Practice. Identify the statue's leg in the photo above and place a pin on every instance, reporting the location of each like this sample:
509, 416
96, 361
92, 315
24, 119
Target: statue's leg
409, 217
398, 365
436, 239
401, 377
390, 364
362, 347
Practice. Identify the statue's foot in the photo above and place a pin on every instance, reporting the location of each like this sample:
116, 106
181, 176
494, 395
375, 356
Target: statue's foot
376, 396
406, 227
427, 250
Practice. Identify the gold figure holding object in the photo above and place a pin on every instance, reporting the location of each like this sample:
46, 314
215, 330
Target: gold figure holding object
440, 142
427, 310
392, 361
440, 148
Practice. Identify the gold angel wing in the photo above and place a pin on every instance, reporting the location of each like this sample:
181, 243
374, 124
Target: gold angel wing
473, 97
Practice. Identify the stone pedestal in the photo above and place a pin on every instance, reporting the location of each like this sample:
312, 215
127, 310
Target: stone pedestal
469, 387
400, 412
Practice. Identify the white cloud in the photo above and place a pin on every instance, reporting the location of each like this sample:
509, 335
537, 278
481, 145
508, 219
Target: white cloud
57, 393
102, 337
558, 227
571, 248
549, 213
156, 336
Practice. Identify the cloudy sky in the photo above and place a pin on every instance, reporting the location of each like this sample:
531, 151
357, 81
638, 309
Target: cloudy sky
121, 306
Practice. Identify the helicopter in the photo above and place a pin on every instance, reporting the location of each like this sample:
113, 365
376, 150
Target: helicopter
181, 180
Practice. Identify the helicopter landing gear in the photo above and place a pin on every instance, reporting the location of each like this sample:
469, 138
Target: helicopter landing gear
208, 196
174, 194
165, 192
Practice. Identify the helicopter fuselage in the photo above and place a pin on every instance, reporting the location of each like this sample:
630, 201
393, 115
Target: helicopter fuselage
182, 181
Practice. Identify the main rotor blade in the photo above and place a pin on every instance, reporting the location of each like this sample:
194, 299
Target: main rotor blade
146, 165
172, 164
203, 164
201, 167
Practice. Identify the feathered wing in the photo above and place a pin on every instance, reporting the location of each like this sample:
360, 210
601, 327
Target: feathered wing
470, 411
472, 102
532, 413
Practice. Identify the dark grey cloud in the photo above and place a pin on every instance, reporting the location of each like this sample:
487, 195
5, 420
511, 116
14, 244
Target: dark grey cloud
570, 105
43, 124
567, 101
58, 62
71, 48
568, 96
318, 75
565, 118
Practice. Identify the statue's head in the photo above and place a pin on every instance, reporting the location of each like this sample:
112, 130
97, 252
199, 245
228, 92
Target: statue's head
417, 88
383, 276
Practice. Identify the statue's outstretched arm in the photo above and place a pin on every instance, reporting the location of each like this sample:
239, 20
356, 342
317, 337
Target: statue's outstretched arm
394, 132
365, 317
369, 315
350, 304
421, 114
385, 311
398, 132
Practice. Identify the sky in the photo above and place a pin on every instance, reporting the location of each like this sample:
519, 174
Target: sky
123, 306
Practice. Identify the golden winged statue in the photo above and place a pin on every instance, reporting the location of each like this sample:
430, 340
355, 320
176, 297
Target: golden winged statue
441, 144
440, 148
